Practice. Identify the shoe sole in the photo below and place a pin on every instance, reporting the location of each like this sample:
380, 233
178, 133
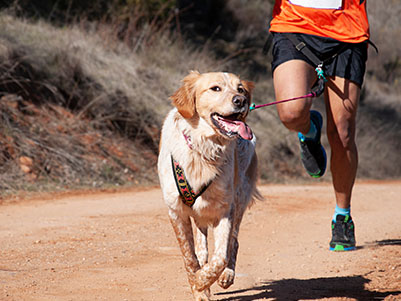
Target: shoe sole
341, 248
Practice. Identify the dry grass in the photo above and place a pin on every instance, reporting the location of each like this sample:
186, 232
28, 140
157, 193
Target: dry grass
109, 97
48, 147
385, 21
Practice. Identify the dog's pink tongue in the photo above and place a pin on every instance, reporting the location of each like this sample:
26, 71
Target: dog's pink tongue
244, 130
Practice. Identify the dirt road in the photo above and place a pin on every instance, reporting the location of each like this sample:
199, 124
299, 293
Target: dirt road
120, 246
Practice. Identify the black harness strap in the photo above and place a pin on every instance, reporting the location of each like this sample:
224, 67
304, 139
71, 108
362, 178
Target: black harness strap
374, 46
301, 46
267, 44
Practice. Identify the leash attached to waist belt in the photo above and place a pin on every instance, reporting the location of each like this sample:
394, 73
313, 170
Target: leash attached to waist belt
302, 47
319, 87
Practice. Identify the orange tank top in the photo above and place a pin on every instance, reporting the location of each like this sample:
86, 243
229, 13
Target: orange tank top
343, 20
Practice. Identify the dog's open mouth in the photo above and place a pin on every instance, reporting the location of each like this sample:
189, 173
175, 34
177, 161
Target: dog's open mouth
232, 125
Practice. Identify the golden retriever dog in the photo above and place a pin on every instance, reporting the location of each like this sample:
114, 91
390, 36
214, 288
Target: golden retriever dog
207, 170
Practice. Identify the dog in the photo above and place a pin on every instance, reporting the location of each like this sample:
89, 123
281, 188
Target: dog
207, 168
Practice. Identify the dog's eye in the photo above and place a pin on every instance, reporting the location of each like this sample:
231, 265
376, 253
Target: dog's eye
215, 88
241, 90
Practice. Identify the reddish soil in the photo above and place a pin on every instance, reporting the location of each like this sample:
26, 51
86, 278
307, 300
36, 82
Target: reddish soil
120, 246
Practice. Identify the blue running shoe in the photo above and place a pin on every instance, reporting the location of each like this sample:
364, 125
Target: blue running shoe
313, 155
343, 234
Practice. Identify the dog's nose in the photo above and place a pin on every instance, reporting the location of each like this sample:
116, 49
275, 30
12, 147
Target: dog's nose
239, 101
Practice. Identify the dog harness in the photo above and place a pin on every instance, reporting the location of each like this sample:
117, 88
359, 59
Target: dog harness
187, 194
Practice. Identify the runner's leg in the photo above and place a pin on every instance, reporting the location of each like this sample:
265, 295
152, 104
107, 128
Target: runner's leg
291, 79
342, 97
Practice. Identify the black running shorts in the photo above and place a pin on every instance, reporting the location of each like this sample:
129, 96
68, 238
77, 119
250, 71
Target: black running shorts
346, 60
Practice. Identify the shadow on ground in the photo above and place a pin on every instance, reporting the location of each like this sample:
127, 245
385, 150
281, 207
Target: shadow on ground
384, 242
380, 243
309, 289
315, 288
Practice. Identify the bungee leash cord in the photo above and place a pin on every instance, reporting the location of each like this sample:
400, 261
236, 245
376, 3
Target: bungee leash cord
313, 94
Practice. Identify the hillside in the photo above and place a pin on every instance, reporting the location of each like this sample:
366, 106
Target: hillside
82, 105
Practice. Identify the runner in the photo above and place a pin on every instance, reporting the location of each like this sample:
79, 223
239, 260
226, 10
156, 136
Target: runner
337, 32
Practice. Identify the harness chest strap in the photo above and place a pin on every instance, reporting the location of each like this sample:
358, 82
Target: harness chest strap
187, 194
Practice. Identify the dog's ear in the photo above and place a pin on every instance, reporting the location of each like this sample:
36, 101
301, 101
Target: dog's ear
248, 86
184, 98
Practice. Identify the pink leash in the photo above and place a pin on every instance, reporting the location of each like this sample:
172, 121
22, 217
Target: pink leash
316, 92
310, 95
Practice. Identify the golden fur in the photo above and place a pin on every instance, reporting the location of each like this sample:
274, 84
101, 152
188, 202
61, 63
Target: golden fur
201, 133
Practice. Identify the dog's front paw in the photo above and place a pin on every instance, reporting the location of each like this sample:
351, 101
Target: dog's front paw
226, 278
202, 295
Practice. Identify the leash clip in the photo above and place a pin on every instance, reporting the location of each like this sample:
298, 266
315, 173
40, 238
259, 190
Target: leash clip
320, 73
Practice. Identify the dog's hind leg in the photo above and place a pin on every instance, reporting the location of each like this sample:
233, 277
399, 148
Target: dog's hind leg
183, 231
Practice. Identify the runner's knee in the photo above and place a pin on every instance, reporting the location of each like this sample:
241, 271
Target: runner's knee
342, 135
295, 120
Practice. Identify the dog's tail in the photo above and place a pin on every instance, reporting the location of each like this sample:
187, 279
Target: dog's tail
256, 195
253, 175
249, 162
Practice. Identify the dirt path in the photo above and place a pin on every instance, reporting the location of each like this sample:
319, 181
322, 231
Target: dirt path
120, 246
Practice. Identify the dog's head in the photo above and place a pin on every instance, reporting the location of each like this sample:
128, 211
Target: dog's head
221, 99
